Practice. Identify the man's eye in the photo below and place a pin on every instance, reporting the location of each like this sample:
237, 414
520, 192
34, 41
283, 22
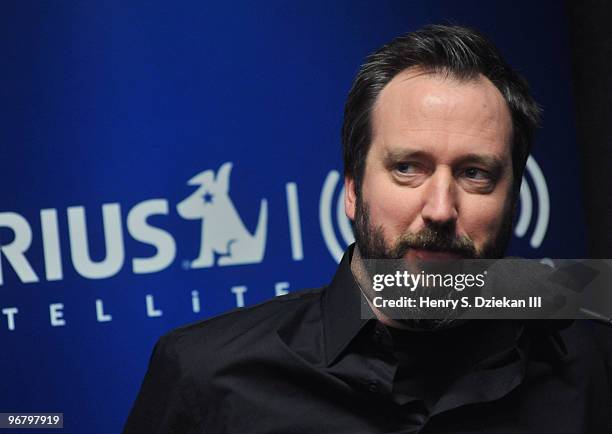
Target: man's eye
477, 174
406, 168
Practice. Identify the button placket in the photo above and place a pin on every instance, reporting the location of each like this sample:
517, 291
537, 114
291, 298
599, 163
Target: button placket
373, 386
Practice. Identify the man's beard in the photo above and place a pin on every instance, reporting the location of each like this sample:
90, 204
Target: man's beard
434, 237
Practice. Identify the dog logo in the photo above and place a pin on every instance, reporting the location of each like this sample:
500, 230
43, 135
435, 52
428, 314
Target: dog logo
223, 232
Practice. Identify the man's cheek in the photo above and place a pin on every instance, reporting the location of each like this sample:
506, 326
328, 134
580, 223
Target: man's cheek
399, 221
483, 224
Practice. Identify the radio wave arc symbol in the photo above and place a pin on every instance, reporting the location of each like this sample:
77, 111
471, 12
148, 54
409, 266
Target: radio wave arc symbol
543, 200
325, 217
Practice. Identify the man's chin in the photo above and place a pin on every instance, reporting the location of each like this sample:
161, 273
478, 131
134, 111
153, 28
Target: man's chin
431, 255
429, 325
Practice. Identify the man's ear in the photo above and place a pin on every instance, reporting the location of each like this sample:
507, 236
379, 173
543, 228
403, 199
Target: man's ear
350, 197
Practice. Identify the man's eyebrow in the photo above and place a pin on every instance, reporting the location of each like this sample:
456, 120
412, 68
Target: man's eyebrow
492, 162
395, 155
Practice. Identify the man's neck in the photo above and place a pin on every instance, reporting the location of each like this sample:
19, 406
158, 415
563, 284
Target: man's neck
363, 281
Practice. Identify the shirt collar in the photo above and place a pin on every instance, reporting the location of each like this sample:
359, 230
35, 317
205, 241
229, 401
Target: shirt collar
344, 305
342, 309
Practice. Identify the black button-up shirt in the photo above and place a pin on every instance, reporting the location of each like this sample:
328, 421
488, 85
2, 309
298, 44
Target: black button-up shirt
308, 363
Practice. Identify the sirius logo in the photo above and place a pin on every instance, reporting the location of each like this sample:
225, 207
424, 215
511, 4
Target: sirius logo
222, 233
330, 207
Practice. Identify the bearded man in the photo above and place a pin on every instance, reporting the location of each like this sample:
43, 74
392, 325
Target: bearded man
437, 131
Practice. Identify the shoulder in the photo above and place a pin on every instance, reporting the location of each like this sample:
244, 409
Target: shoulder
186, 361
238, 331
590, 340
602, 337
595, 332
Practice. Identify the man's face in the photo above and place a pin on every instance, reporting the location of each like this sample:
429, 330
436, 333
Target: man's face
438, 176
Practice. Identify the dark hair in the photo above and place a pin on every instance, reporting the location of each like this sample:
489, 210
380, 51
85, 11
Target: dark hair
456, 51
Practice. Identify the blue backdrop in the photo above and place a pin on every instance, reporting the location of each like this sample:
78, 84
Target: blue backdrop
116, 112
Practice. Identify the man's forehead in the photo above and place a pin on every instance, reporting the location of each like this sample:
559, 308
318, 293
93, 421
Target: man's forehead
418, 104
417, 76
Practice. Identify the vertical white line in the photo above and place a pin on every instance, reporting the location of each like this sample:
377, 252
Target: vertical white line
195, 301
295, 228
51, 244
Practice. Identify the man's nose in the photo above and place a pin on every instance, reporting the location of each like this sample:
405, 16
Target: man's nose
440, 202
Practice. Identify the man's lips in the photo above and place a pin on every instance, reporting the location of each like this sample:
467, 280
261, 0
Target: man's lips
431, 255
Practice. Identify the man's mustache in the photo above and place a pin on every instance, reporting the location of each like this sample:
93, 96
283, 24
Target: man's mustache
437, 240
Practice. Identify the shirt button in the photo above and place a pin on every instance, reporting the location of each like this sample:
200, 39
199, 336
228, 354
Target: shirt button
373, 386
377, 335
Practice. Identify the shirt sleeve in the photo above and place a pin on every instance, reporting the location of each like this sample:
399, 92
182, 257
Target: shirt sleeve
162, 405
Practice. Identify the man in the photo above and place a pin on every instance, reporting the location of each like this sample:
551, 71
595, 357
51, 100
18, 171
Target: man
436, 134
